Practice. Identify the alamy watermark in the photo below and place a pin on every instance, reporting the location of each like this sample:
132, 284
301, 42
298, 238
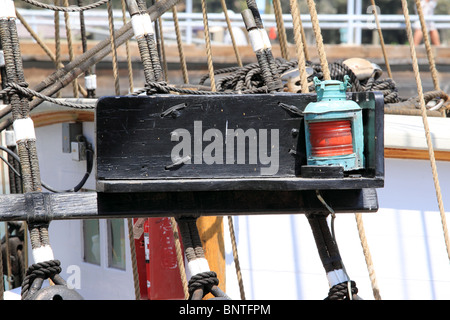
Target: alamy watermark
74, 279
232, 146
371, 22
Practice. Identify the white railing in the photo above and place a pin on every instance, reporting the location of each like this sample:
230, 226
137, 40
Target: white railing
42, 22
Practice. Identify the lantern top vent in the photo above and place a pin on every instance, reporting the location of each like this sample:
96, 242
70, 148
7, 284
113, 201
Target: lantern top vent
328, 93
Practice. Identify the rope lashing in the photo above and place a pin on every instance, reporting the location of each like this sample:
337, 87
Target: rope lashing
145, 37
24, 134
203, 280
262, 47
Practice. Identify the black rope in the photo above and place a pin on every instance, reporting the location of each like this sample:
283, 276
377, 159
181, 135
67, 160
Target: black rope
250, 79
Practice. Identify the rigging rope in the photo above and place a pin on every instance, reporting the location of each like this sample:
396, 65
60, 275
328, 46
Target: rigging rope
137, 291
319, 39
236, 257
380, 34
230, 31
367, 256
112, 39
280, 29
180, 257
127, 49
66, 9
426, 40
426, 125
300, 45
69, 45
208, 46
184, 70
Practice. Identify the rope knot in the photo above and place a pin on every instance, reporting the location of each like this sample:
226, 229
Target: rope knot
43, 270
340, 291
204, 280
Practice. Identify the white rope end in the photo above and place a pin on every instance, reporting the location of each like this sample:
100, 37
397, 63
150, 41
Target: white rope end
336, 276
198, 265
142, 25
259, 39
8, 9
90, 82
24, 129
44, 253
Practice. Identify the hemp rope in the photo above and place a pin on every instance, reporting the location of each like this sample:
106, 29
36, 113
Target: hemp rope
236, 257
208, 46
137, 291
88, 92
425, 123
319, 39
112, 39
70, 45
426, 40
367, 256
280, 28
180, 257
127, 49
184, 70
160, 40
66, 9
295, 12
54, 57
380, 35
58, 63
230, 30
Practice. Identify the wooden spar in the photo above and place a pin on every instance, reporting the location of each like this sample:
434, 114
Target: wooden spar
210, 230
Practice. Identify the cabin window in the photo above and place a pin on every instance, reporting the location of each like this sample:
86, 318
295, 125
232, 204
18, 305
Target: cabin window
91, 237
116, 244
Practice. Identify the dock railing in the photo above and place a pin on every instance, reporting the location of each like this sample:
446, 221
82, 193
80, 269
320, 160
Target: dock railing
350, 25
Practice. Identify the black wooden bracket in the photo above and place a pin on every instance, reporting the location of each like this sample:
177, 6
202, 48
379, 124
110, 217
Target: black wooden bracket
137, 176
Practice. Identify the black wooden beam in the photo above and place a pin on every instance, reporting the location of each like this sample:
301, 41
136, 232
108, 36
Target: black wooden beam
92, 205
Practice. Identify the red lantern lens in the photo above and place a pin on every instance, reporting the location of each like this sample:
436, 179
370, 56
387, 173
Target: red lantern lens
331, 138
